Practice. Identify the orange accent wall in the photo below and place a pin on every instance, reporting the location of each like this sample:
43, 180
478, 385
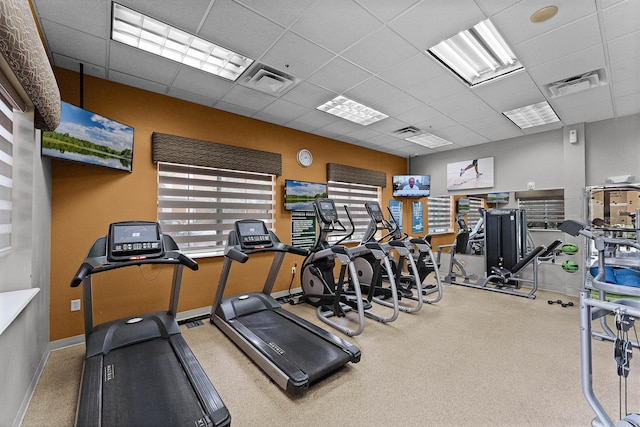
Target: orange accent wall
86, 199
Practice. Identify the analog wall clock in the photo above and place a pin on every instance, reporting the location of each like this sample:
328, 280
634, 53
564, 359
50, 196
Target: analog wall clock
305, 158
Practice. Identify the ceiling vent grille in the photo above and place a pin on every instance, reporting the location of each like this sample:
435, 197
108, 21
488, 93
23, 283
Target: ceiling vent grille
269, 80
407, 131
577, 83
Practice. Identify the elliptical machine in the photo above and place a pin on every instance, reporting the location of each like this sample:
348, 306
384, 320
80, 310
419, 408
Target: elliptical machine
417, 251
335, 296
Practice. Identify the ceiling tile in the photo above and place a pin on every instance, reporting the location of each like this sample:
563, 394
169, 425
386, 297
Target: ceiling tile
584, 106
363, 133
133, 81
491, 7
308, 95
339, 75
623, 48
430, 22
439, 87
570, 65
235, 27
563, 41
380, 51
196, 98
372, 91
385, 9
419, 114
296, 56
388, 125
335, 24
616, 22
195, 81
248, 98
284, 12
284, 110
418, 69
75, 44
627, 105
626, 70
74, 65
514, 23
398, 104
316, 119
235, 109
342, 127
93, 19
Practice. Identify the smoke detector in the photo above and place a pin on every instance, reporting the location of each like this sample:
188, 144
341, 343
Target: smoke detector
576, 84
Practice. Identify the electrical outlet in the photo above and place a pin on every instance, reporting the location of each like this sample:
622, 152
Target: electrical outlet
531, 185
75, 305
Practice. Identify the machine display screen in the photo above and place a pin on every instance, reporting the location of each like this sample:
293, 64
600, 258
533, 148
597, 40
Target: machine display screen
128, 240
253, 233
374, 211
327, 210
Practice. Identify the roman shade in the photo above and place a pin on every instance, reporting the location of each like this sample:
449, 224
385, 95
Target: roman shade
22, 54
354, 175
187, 151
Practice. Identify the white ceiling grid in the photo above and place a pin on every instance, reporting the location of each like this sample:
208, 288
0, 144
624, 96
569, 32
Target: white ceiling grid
372, 51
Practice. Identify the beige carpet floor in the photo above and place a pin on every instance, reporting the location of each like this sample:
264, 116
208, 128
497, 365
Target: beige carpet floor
476, 358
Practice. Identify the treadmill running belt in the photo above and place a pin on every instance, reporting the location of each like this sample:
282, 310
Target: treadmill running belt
310, 353
145, 385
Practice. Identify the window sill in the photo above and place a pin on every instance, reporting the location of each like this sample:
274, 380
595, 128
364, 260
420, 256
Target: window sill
12, 303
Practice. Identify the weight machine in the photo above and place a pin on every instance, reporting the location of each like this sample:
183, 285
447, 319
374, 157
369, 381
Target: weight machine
624, 309
505, 255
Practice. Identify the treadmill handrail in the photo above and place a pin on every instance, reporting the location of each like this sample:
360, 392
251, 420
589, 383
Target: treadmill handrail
233, 251
99, 264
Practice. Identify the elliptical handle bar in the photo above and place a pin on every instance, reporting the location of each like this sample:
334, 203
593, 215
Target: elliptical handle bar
353, 227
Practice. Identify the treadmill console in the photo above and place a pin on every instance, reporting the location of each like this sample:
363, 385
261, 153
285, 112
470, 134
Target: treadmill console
374, 211
326, 210
134, 240
253, 234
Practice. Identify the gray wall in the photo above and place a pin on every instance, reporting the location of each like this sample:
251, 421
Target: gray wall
605, 148
23, 345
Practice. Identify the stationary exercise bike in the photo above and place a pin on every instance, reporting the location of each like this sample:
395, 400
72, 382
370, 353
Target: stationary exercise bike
336, 295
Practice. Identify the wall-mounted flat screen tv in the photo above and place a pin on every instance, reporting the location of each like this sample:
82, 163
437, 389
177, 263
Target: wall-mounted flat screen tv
299, 195
411, 185
86, 137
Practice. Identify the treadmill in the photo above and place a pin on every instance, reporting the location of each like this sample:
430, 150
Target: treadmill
139, 371
292, 351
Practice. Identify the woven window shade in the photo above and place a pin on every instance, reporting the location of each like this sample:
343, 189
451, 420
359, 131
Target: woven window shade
187, 151
343, 173
24, 54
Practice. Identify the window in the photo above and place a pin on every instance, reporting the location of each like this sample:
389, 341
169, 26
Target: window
354, 197
6, 174
198, 206
439, 217
474, 215
545, 208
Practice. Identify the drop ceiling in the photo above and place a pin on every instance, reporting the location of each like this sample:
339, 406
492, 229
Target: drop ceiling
372, 51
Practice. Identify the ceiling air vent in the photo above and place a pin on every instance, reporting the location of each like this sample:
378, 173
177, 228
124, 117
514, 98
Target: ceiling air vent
406, 132
576, 83
269, 80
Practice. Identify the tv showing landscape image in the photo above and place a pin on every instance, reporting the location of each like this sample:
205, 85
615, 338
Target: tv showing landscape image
86, 137
299, 195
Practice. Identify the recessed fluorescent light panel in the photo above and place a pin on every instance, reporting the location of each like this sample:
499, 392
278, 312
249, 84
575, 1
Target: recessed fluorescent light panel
349, 109
477, 54
532, 115
140, 31
428, 140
